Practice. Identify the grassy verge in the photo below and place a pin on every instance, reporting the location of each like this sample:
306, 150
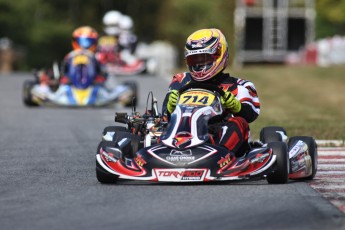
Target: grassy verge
304, 100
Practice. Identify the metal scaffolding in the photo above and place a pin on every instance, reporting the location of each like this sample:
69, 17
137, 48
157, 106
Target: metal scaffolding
275, 23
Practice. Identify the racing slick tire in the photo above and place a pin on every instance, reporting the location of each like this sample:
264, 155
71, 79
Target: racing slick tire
102, 175
312, 146
271, 133
26, 94
134, 87
280, 174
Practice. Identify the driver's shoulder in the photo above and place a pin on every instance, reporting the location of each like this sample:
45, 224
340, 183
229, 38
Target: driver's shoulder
181, 78
239, 81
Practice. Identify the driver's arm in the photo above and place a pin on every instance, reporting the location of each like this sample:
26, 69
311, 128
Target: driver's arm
177, 82
250, 104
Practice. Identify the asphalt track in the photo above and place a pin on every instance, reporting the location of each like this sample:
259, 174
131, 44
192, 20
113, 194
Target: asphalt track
47, 180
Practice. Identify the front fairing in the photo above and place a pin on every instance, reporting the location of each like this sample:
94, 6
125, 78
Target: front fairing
67, 95
188, 125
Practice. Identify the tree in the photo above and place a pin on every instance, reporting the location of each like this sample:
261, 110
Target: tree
330, 17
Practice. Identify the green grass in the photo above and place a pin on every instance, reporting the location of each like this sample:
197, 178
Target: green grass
304, 100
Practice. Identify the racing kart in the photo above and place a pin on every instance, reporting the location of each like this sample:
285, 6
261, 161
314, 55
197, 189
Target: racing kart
81, 91
182, 150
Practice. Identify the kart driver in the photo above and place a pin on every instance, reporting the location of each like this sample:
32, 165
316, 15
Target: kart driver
108, 44
118, 44
206, 54
84, 39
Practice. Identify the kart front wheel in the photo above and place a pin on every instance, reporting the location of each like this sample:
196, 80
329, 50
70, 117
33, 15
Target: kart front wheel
102, 175
26, 93
105, 177
312, 149
280, 174
134, 100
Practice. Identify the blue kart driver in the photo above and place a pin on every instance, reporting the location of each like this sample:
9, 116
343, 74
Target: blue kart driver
84, 40
206, 54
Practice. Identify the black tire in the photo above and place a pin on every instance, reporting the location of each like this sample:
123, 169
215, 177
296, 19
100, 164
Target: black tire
269, 134
134, 87
280, 174
26, 94
312, 146
102, 175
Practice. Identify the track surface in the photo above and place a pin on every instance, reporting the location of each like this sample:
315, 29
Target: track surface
47, 180
330, 179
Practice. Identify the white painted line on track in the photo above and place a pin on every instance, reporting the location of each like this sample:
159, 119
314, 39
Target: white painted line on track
330, 149
331, 167
327, 161
329, 186
329, 172
338, 153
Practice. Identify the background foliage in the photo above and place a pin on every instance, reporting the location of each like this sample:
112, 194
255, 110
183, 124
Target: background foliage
42, 28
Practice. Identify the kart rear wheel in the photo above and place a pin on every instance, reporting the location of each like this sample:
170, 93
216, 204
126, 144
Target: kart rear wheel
312, 147
26, 93
102, 175
134, 88
280, 173
271, 133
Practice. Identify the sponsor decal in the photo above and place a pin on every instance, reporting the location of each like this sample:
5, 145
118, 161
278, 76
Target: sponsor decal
182, 138
109, 157
224, 161
294, 151
180, 156
140, 161
180, 174
260, 158
129, 164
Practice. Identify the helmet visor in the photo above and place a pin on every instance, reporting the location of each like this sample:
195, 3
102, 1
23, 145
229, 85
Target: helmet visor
200, 60
85, 42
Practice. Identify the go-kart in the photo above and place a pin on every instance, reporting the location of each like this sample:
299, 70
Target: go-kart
81, 90
115, 62
182, 150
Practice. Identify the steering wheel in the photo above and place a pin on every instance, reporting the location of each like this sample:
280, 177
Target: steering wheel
202, 86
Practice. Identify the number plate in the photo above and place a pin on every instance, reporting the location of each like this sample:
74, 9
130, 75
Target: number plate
196, 98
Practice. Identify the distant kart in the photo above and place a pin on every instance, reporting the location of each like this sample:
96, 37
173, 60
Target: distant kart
81, 91
182, 150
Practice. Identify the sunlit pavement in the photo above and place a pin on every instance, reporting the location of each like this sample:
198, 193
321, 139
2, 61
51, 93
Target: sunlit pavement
330, 177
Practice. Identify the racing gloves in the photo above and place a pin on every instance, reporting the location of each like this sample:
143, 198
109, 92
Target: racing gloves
230, 102
172, 100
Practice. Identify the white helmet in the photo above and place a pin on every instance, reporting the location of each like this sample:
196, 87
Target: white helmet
111, 22
126, 23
